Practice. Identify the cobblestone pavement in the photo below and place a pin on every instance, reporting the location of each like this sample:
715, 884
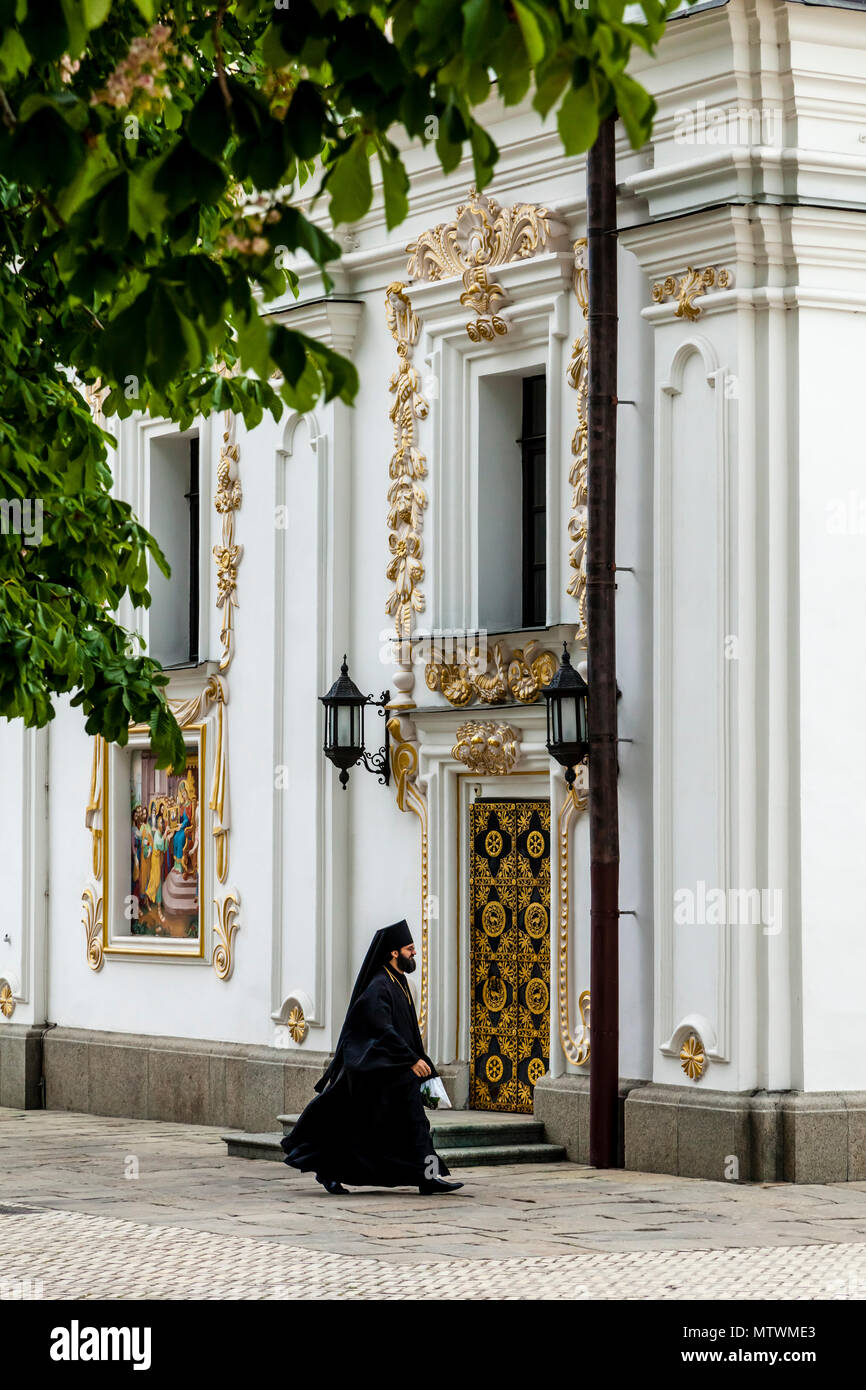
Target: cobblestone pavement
106, 1208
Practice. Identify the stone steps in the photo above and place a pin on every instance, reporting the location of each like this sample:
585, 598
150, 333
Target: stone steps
463, 1142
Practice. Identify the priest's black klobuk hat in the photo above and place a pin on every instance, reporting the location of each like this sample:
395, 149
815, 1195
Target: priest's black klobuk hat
384, 942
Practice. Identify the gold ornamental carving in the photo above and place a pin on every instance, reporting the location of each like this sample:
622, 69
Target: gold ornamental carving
225, 928
469, 677
493, 918
94, 812
494, 994
535, 1070
577, 376
537, 920
91, 920
227, 553
482, 236
407, 499
411, 796
297, 1024
686, 289
7, 1000
693, 1058
492, 749
493, 1068
576, 1049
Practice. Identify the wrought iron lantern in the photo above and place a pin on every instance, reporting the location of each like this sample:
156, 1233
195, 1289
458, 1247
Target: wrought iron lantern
567, 736
344, 729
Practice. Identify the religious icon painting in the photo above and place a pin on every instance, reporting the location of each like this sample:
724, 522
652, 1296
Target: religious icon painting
157, 832
165, 844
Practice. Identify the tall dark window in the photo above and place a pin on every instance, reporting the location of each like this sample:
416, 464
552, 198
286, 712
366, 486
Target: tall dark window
192, 498
174, 516
533, 449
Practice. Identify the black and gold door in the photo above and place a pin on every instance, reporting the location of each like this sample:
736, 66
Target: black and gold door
509, 870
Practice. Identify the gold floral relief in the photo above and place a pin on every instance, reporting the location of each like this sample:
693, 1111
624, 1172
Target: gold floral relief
693, 1058
487, 748
686, 289
482, 236
225, 928
520, 675
227, 553
577, 376
407, 499
576, 1049
91, 920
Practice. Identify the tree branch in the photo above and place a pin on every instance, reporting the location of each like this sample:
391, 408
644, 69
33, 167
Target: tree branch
218, 51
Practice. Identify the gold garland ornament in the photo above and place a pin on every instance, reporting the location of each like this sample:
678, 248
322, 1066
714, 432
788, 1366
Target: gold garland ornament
520, 675
407, 499
575, 1049
577, 376
227, 554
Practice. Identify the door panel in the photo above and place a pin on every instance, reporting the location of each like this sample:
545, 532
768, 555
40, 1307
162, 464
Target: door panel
510, 952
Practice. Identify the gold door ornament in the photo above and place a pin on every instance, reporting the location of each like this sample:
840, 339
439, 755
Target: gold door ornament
510, 952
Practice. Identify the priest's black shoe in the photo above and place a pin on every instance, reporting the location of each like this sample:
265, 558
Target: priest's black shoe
434, 1185
331, 1185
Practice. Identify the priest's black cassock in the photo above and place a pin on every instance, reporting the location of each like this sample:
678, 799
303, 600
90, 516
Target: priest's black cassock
368, 1126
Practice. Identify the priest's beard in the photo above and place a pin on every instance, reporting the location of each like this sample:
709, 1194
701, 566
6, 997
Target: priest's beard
406, 964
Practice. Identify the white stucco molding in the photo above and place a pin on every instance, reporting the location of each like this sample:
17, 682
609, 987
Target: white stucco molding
756, 102
326, 435
332, 321
702, 1028
23, 960
293, 1019
791, 257
670, 387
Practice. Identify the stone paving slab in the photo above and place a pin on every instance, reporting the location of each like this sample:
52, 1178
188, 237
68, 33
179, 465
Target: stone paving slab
70, 1255
107, 1208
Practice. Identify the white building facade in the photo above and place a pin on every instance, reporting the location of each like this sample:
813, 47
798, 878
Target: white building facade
200, 971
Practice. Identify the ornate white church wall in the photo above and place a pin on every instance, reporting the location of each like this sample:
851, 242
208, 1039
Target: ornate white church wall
831, 561
739, 510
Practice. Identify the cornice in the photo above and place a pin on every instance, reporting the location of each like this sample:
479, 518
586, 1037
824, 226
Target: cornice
747, 173
332, 321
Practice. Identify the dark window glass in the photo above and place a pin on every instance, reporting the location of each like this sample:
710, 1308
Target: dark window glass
533, 445
193, 501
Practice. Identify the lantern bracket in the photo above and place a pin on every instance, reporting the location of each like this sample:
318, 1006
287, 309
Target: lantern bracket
380, 763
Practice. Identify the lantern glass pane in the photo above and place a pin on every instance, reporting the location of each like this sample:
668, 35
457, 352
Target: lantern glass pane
344, 726
568, 709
